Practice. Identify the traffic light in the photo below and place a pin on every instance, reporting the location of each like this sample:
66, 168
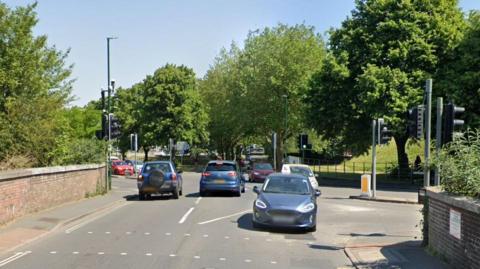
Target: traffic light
101, 134
415, 122
115, 127
302, 141
450, 122
384, 135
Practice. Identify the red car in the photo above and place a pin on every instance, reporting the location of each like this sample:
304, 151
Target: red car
259, 172
121, 168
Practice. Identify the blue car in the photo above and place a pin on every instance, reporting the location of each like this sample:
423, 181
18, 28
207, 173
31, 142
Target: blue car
286, 201
159, 177
222, 176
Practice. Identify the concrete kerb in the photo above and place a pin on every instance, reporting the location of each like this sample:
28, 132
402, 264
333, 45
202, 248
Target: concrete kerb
385, 199
64, 223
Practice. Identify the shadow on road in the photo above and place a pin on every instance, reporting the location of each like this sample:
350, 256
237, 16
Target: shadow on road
245, 223
324, 247
134, 197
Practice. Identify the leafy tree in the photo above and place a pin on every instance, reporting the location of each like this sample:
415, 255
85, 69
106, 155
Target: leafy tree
246, 87
165, 105
34, 87
459, 79
377, 65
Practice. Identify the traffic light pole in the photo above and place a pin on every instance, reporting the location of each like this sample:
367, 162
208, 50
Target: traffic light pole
428, 121
438, 142
374, 158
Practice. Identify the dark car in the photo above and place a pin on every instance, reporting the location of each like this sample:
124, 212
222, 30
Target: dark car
287, 201
259, 172
121, 168
159, 177
222, 176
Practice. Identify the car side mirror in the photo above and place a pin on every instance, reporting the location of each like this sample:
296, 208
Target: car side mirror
179, 171
318, 193
256, 190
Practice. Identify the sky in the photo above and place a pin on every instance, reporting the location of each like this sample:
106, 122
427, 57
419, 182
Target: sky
152, 33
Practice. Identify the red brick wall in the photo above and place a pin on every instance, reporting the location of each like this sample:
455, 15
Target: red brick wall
460, 253
27, 191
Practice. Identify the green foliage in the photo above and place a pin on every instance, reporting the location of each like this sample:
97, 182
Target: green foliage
33, 81
165, 105
245, 88
459, 165
377, 65
459, 79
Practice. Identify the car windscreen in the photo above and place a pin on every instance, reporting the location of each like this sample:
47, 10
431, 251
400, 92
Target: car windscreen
287, 185
119, 163
305, 171
165, 167
220, 167
263, 166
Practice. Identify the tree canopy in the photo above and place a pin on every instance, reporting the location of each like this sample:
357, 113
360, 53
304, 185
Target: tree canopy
377, 64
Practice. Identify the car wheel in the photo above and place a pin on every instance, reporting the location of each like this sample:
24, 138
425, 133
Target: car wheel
313, 229
255, 225
203, 193
176, 193
243, 189
141, 196
181, 191
238, 193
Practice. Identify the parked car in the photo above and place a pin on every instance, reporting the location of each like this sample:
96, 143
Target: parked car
286, 200
222, 176
137, 165
301, 169
260, 171
121, 168
159, 177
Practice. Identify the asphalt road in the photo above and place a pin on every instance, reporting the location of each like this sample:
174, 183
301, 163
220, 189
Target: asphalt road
213, 232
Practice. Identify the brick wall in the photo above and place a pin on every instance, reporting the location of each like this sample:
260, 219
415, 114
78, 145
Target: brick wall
31, 190
463, 252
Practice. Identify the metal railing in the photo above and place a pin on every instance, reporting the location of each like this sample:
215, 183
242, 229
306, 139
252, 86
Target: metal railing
409, 173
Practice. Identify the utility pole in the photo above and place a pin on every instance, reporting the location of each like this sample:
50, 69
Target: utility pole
109, 89
438, 142
428, 121
374, 158
286, 129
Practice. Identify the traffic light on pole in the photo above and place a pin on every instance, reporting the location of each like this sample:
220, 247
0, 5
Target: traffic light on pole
415, 122
450, 122
302, 141
384, 135
115, 127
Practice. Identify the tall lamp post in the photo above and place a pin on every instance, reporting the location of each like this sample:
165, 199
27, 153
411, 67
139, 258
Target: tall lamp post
109, 110
286, 129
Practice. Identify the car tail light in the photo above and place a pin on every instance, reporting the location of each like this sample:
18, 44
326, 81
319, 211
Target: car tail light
232, 174
174, 176
140, 178
206, 174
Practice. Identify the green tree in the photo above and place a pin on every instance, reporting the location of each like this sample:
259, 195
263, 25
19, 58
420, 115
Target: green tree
165, 105
377, 65
34, 85
247, 86
459, 79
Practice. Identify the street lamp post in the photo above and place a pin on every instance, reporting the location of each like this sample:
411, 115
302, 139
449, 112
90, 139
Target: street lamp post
109, 90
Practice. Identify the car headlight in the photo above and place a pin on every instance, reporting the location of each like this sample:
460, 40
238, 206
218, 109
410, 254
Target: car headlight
260, 204
306, 208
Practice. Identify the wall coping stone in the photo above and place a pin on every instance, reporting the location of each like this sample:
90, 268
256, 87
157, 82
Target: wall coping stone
466, 203
20, 173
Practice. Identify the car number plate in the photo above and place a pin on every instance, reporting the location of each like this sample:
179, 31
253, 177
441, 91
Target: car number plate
219, 181
283, 219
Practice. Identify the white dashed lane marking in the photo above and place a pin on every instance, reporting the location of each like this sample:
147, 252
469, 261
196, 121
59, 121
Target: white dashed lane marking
172, 255
273, 262
53, 252
222, 259
148, 254
168, 234
75, 252
101, 253
90, 232
198, 200
247, 260
123, 253
196, 257
205, 235
187, 234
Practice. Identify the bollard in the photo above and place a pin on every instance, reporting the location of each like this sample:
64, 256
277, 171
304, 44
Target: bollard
365, 186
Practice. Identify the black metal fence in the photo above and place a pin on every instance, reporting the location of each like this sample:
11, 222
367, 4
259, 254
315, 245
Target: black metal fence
409, 173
